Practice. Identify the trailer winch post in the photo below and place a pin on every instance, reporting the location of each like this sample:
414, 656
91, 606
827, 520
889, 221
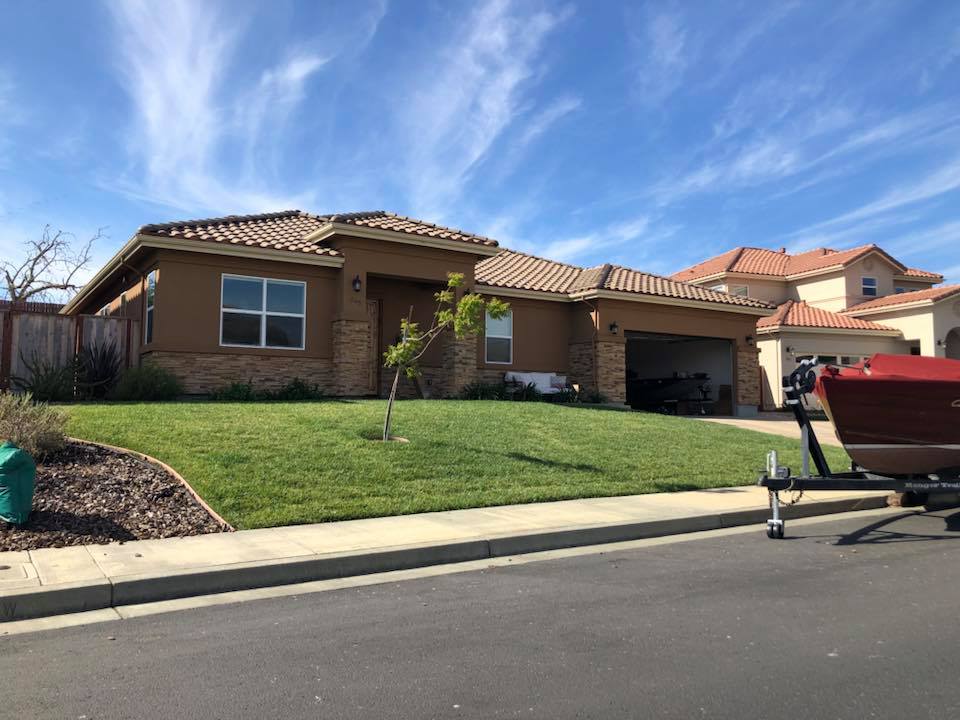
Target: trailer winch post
795, 385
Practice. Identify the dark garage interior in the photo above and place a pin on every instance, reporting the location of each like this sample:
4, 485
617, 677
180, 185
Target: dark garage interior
679, 374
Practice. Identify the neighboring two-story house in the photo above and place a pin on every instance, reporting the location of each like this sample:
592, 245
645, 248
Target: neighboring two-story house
841, 306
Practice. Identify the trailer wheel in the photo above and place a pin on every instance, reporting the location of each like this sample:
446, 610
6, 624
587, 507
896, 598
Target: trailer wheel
775, 529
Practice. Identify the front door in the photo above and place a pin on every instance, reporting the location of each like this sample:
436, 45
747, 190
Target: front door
376, 362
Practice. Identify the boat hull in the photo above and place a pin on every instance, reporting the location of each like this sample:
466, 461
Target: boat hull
892, 424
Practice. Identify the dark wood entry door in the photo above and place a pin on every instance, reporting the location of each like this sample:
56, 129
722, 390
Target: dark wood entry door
376, 361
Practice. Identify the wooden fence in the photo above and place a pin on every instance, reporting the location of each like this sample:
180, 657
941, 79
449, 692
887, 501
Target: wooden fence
27, 336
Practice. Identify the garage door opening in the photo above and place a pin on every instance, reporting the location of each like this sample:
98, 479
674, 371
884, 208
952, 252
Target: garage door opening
679, 374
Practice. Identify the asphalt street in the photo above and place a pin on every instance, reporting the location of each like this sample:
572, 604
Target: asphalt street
854, 618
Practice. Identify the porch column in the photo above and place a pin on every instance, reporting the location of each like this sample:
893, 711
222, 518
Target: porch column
459, 364
600, 365
748, 380
351, 357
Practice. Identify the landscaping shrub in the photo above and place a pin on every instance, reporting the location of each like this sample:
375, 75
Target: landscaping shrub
147, 382
592, 397
46, 381
296, 390
98, 369
35, 427
235, 392
484, 391
525, 392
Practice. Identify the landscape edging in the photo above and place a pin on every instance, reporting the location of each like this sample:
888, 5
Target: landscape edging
166, 468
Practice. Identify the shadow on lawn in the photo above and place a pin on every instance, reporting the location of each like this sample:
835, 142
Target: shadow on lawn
523, 457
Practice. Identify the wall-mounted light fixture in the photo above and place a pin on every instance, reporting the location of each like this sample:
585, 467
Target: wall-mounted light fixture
939, 343
789, 348
749, 339
357, 284
614, 328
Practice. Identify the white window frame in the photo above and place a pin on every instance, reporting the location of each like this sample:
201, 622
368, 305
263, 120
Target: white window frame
148, 323
875, 287
719, 288
263, 313
739, 290
486, 336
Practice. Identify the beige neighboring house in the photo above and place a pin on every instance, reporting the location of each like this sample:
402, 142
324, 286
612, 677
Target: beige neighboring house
841, 306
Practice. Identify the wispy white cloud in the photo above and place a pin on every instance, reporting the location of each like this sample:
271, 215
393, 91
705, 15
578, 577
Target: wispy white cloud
944, 179
611, 236
456, 114
664, 51
194, 145
546, 118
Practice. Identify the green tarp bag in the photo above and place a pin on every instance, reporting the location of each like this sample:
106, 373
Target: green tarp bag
17, 475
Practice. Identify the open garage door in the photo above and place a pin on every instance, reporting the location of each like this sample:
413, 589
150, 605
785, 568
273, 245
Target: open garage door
679, 374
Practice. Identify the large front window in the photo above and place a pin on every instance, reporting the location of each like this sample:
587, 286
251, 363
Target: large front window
499, 339
258, 312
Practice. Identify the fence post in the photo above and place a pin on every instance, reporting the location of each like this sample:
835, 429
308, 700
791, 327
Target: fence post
126, 351
6, 350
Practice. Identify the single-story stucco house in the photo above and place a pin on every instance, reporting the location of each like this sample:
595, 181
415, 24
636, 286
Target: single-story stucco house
270, 297
839, 305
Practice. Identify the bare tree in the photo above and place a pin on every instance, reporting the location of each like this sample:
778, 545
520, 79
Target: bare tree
51, 264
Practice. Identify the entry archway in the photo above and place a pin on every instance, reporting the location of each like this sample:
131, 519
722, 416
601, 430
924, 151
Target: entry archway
953, 344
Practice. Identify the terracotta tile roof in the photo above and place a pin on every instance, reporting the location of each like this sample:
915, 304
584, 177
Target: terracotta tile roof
930, 294
797, 313
286, 230
520, 271
779, 263
398, 223
279, 231
917, 273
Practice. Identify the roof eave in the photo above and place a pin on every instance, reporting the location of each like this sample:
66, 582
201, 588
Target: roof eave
522, 293
594, 294
143, 240
324, 232
772, 330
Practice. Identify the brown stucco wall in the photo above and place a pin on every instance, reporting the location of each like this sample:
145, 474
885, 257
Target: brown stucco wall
187, 307
541, 335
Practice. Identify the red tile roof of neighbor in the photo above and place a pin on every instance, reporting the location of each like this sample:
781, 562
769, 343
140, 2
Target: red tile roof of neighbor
286, 230
891, 301
796, 313
779, 263
520, 271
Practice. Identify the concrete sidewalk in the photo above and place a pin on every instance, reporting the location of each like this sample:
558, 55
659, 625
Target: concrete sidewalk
62, 580
777, 423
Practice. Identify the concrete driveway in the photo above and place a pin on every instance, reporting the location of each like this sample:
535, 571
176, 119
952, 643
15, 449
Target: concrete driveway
777, 423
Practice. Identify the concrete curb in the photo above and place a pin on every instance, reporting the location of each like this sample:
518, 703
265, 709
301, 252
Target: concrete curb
48, 600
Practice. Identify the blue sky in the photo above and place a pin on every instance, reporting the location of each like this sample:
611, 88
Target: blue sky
649, 134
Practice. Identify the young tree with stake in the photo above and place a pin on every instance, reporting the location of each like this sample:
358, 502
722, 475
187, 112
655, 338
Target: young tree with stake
465, 317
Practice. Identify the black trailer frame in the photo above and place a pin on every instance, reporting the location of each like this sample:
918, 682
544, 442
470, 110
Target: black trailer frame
778, 479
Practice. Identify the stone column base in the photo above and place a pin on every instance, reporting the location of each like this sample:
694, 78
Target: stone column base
351, 358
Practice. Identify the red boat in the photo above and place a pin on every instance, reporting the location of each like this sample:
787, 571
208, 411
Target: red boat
896, 414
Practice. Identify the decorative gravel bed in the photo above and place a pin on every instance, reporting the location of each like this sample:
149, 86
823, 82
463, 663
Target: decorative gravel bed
87, 494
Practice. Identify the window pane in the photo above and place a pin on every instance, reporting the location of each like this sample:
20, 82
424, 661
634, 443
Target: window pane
869, 281
242, 294
151, 287
502, 327
498, 350
284, 297
241, 329
284, 331
740, 290
148, 335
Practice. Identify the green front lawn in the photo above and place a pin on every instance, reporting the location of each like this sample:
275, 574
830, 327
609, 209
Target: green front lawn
264, 464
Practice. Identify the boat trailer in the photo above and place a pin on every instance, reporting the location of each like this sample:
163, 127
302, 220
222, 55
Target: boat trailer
779, 479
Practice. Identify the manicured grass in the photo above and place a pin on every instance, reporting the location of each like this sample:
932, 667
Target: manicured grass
264, 464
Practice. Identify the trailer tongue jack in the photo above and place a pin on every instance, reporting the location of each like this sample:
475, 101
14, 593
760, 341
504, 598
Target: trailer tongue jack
777, 478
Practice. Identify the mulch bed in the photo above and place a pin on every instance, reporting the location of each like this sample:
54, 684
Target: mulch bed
87, 494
